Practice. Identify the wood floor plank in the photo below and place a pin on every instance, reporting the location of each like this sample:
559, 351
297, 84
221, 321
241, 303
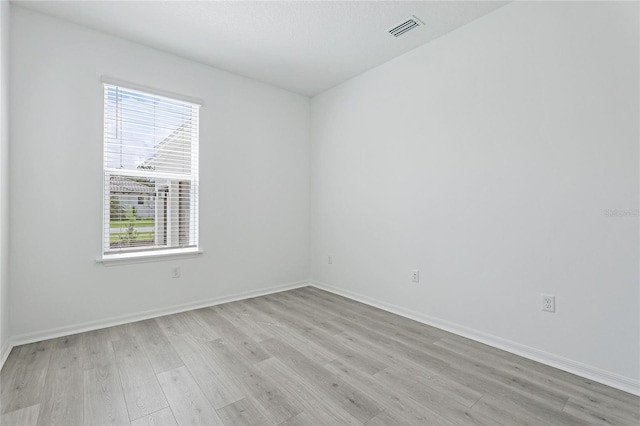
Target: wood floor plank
386, 418
578, 389
389, 345
541, 411
335, 389
140, 386
541, 383
396, 407
67, 342
577, 386
451, 382
218, 386
443, 386
317, 318
96, 349
310, 332
574, 386
593, 415
482, 378
526, 410
366, 314
410, 332
299, 331
257, 316
8, 374
422, 343
592, 395
274, 404
163, 417
21, 387
457, 391
186, 323
433, 398
103, 398
302, 419
119, 332
248, 347
504, 412
599, 403
390, 358
242, 412
60, 404
23, 417
314, 403
283, 332
187, 402
241, 318
161, 354
332, 306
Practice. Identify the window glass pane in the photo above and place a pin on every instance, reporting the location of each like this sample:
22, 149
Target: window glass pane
132, 205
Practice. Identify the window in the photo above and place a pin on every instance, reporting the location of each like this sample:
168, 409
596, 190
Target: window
150, 174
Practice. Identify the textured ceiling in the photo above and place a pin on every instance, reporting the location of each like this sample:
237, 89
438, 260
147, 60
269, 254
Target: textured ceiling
305, 47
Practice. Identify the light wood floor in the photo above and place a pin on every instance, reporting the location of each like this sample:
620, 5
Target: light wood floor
299, 357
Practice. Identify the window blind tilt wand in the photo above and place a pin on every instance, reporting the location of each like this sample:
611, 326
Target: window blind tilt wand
150, 169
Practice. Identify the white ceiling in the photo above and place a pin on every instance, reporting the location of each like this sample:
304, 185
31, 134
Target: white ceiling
303, 46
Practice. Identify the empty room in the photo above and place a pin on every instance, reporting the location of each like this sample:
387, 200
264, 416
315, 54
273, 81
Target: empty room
319, 212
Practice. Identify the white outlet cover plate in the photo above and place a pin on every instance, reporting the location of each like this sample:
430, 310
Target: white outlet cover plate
548, 303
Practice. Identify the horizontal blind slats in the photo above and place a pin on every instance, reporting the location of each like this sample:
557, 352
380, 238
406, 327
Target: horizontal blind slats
128, 113
137, 92
150, 172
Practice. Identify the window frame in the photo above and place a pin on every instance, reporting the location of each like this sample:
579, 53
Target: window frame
157, 252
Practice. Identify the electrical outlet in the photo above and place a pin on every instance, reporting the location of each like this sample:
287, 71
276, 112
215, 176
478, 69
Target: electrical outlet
175, 272
415, 276
548, 303
329, 260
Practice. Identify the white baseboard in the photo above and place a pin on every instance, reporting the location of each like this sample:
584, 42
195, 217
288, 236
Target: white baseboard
5, 350
53, 333
584, 370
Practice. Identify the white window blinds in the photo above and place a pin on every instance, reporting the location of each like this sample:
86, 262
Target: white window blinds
150, 172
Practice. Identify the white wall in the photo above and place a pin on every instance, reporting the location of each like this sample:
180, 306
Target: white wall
5, 10
486, 159
254, 171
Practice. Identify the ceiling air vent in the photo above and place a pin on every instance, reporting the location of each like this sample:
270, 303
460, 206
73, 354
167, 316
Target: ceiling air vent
405, 26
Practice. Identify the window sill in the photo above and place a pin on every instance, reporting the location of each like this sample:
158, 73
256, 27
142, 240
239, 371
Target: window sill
130, 258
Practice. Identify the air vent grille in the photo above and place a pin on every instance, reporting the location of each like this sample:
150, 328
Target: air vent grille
405, 26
